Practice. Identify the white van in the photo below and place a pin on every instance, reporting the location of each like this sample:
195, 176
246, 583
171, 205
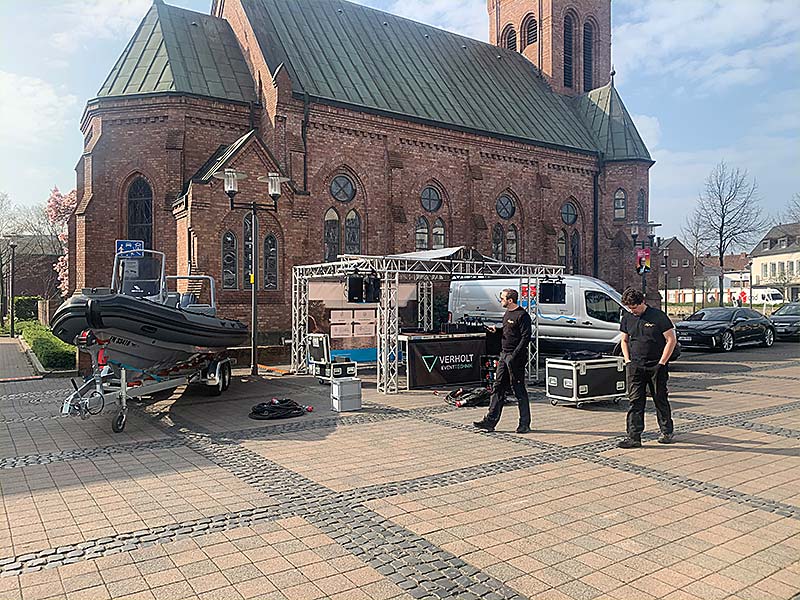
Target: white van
587, 320
768, 296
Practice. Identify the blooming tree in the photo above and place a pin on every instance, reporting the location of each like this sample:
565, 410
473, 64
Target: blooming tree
59, 209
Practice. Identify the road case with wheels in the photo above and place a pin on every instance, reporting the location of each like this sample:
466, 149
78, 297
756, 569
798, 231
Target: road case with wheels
583, 381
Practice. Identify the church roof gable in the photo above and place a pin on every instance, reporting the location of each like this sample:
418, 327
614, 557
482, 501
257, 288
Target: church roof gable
604, 113
343, 53
178, 50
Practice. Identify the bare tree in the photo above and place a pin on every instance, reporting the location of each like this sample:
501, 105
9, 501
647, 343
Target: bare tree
39, 238
729, 212
693, 238
7, 227
792, 213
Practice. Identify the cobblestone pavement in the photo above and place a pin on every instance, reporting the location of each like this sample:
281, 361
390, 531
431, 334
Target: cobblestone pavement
405, 499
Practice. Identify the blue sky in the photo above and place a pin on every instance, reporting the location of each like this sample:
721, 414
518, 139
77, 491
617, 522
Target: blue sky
704, 80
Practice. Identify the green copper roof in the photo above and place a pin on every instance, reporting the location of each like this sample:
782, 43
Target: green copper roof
607, 118
345, 53
177, 50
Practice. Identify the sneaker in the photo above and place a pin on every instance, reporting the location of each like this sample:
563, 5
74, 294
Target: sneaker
629, 443
523, 429
483, 425
667, 438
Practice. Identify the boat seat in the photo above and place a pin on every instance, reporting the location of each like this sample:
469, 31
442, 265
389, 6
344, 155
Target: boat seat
203, 309
188, 299
173, 299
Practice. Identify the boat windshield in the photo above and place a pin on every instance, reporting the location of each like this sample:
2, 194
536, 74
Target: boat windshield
139, 274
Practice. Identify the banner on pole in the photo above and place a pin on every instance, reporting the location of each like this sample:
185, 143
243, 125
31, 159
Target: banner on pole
643, 260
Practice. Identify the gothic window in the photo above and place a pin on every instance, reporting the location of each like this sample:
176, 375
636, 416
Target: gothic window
588, 58
575, 252
421, 234
140, 212
511, 244
271, 262
247, 248
230, 261
331, 235
352, 233
497, 242
505, 207
641, 207
438, 234
431, 199
568, 50
562, 248
569, 214
530, 31
342, 188
510, 38
620, 205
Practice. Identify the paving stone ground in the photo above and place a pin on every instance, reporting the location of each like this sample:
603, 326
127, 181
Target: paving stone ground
405, 499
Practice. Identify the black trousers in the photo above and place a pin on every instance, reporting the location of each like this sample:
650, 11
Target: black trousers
510, 375
639, 380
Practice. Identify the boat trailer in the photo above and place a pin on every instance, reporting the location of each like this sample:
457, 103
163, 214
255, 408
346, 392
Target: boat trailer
119, 383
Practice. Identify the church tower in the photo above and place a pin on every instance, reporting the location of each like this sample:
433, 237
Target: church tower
569, 40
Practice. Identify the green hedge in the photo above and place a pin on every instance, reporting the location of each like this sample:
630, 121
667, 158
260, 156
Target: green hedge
26, 307
51, 351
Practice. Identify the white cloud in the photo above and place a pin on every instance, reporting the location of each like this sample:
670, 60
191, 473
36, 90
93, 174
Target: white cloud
83, 20
649, 128
715, 44
33, 111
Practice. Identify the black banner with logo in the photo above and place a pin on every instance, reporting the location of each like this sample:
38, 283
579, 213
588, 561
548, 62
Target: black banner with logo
445, 361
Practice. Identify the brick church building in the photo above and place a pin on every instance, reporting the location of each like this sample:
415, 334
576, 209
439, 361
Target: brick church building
395, 136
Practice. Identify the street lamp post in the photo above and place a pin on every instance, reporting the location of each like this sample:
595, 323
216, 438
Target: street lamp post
665, 254
12, 276
648, 230
231, 178
750, 282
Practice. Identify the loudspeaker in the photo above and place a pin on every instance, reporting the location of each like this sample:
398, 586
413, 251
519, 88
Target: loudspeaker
355, 289
372, 289
552, 293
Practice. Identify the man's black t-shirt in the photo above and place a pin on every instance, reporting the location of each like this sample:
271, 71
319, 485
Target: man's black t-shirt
646, 335
516, 331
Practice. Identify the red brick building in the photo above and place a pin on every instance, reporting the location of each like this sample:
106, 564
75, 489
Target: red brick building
395, 136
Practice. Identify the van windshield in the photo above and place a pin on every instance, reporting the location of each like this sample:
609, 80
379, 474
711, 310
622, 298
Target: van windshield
776, 296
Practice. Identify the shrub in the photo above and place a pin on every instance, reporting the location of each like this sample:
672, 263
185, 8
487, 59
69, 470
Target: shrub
51, 351
26, 307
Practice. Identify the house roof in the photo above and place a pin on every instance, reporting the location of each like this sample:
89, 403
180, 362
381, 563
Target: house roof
178, 50
791, 231
733, 262
613, 128
347, 54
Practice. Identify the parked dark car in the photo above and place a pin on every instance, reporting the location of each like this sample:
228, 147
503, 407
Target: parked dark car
724, 328
786, 321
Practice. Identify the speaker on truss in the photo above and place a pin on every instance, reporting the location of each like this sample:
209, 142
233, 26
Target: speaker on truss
551, 292
372, 289
355, 289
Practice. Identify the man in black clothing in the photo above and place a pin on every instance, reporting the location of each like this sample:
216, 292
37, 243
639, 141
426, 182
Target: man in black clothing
511, 366
648, 340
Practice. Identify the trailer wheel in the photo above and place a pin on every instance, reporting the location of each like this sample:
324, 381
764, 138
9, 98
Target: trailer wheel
579, 405
118, 424
553, 401
225, 376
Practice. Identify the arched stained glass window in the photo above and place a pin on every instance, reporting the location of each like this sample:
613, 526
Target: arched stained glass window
247, 249
641, 207
511, 244
620, 205
230, 261
588, 57
271, 262
331, 235
352, 233
438, 234
140, 212
497, 242
421, 232
562, 248
575, 252
568, 50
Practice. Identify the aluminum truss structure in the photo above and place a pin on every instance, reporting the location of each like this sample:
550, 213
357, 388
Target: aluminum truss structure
423, 268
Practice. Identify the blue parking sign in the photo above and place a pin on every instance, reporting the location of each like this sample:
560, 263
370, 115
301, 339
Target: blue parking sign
128, 246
